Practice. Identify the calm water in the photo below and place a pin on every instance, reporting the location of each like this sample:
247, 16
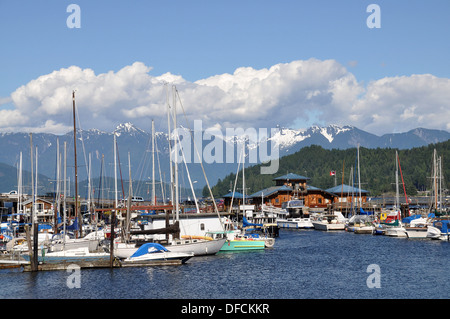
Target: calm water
302, 265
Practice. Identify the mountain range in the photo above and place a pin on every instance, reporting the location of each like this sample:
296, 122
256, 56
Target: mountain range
137, 143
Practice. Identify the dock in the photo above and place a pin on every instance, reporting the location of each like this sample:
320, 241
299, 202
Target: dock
6, 263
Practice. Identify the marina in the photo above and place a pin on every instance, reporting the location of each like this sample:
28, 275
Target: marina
288, 237
304, 264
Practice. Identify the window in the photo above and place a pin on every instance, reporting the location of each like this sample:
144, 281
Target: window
202, 226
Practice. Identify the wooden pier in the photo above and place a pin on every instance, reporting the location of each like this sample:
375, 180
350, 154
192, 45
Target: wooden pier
26, 266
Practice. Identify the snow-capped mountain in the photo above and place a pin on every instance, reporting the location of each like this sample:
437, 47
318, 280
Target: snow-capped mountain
343, 137
287, 138
137, 142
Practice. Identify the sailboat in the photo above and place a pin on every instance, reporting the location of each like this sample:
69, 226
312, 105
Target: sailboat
440, 229
362, 221
70, 255
237, 239
394, 227
199, 245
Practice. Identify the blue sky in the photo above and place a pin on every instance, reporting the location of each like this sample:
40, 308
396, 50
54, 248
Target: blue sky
200, 39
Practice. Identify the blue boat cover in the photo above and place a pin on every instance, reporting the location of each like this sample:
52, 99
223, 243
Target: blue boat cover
408, 220
443, 225
148, 248
44, 226
246, 223
363, 212
74, 226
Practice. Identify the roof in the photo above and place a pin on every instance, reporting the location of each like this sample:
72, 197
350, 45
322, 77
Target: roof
271, 190
236, 195
28, 201
313, 188
346, 189
290, 176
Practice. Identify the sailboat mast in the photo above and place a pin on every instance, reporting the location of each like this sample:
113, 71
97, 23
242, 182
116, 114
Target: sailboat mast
177, 208
115, 173
32, 182
359, 182
65, 193
153, 164
435, 179
56, 209
170, 146
34, 263
243, 180
397, 192
19, 191
76, 166
89, 188
130, 193
440, 184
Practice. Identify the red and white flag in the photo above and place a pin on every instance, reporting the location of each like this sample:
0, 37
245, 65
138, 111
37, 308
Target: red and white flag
332, 173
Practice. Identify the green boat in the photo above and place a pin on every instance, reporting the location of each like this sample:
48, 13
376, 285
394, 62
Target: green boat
238, 245
238, 242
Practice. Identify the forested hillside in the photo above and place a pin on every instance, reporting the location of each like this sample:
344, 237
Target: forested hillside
377, 169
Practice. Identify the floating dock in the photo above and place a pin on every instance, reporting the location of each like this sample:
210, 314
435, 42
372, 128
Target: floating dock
6, 263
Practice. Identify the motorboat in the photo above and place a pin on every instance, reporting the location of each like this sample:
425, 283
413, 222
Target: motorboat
327, 222
157, 252
395, 231
295, 216
439, 230
72, 255
295, 223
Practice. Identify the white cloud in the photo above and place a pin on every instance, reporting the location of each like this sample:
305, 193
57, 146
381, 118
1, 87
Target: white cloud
284, 94
399, 104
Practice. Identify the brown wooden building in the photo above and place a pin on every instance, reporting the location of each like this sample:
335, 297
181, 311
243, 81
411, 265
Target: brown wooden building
293, 186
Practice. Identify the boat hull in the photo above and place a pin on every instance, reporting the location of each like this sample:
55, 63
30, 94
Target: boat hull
162, 256
198, 247
435, 233
73, 255
395, 232
417, 232
299, 223
328, 226
364, 230
243, 245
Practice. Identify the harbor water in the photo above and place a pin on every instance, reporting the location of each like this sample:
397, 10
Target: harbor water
304, 264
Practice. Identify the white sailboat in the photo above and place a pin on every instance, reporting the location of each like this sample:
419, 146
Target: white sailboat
440, 229
396, 228
196, 244
363, 221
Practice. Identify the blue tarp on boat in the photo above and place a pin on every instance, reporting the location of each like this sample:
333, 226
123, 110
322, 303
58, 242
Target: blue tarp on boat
74, 226
246, 223
363, 212
148, 248
44, 226
407, 220
443, 225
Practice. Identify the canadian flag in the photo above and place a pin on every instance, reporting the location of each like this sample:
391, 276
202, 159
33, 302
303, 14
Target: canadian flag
332, 173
